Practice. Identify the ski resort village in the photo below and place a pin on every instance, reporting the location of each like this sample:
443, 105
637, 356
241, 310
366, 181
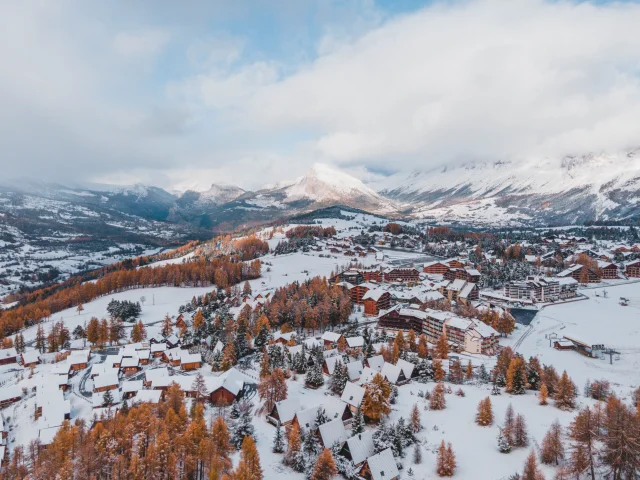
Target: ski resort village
338, 344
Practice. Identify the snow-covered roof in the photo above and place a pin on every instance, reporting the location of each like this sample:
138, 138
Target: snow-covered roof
32, 356
352, 394
151, 396
391, 372
191, 358
105, 380
155, 373
566, 281
132, 386
46, 435
457, 285
355, 342
459, 322
467, 289
331, 363
406, 367
111, 360
569, 270
361, 446
8, 392
8, 353
374, 294
412, 312
484, 330
354, 369
332, 432
312, 342
376, 362
331, 336
383, 465
287, 409
158, 347
130, 362
102, 368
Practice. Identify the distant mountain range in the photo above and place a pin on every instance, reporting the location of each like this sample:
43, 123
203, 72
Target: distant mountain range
534, 192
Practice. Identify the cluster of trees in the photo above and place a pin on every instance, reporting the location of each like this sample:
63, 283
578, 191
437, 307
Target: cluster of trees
294, 244
40, 304
313, 304
160, 441
251, 247
304, 231
517, 375
124, 309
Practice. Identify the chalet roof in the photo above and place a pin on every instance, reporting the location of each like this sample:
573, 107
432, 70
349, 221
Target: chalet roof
412, 312
111, 360
374, 294
383, 466
46, 435
151, 396
457, 285
333, 409
570, 270
391, 372
130, 362
484, 330
376, 362
346, 285
435, 262
467, 289
331, 363
312, 342
132, 386
158, 347
8, 353
232, 381
331, 336
354, 369
287, 409
191, 358
406, 367
218, 347
61, 368
32, 356
332, 352
332, 432
361, 446
78, 356
105, 380
11, 391
355, 342
173, 339
155, 373
566, 281
102, 368
459, 322
472, 271
284, 336
352, 394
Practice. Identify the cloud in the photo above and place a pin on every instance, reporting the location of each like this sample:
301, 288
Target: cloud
143, 43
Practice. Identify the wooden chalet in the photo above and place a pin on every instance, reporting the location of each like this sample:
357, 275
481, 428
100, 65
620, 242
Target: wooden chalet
130, 365
283, 412
78, 360
403, 319
330, 339
576, 272
9, 395
30, 359
332, 432
357, 292
228, 389
358, 448
131, 388
8, 355
632, 268
353, 395
190, 361
436, 268
334, 409
460, 290
107, 381
354, 277
375, 301
394, 374
381, 466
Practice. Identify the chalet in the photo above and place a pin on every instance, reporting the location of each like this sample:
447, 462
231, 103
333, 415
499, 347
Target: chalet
157, 378
359, 447
608, 270
330, 339
105, 382
9, 395
372, 275
403, 319
30, 359
563, 344
436, 268
588, 347
334, 409
329, 364
381, 466
8, 355
173, 356
354, 370
460, 290
375, 301
576, 272
183, 323
228, 389
97, 399
355, 345
353, 395
147, 396
101, 369
632, 268
172, 341
130, 365
394, 374
468, 274
78, 360
283, 338
480, 338
131, 388
113, 361
157, 338
332, 432
144, 356
190, 361
407, 368
402, 275
375, 363
283, 412
354, 277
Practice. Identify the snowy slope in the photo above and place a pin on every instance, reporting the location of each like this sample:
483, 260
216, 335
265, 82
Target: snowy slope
576, 188
220, 193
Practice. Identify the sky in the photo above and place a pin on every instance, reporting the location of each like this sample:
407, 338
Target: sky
250, 92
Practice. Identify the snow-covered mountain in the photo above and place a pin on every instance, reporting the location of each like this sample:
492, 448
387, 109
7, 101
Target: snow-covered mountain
572, 189
220, 193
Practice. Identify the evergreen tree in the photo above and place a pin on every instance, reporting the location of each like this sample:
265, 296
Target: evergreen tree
564, 395
483, 375
417, 454
41, 343
339, 378
517, 376
293, 456
344, 466
107, 398
504, 446
437, 400
278, 441
321, 417
375, 404
484, 417
531, 470
584, 431
416, 426
520, 435
446, 462
533, 373
199, 387
442, 347
243, 427
509, 424
543, 395
552, 447
250, 457
314, 377
325, 467
358, 422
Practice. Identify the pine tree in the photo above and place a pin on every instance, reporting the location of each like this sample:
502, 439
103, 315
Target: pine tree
517, 376
293, 456
199, 387
325, 467
416, 426
358, 422
504, 445
455, 372
543, 395
534, 371
484, 417
314, 377
278, 440
621, 440
564, 395
509, 424
468, 374
41, 344
552, 447
107, 398
446, 462
483, 375
437, 400
221, 444
417, 454
442, 347
339, 378
243, 427
251, 458
520, 435
167, 328
531, 470
272, 389
584, 432
438, 371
